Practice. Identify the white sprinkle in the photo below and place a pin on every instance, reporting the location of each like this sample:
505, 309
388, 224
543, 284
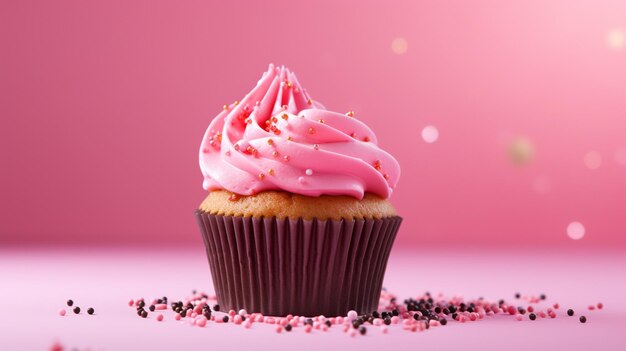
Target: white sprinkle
308, 172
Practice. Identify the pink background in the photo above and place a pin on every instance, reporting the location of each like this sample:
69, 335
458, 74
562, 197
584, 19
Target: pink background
103, 106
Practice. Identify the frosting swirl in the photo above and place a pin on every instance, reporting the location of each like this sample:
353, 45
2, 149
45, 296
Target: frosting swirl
278, 138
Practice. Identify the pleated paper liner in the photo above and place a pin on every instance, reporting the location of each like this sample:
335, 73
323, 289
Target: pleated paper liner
295, 266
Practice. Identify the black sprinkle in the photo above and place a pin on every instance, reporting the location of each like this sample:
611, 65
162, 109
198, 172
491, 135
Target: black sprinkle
144, 314
542, 296
328, 323
141, 303
532, 316
152, 308
70, 303
225, 319
570, 312
362, 330
387, 321
518, 295
90, 310
582, 319
216, 307
288, 327
443, 321
77, 310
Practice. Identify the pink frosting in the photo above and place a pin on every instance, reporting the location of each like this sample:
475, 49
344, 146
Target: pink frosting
278, 138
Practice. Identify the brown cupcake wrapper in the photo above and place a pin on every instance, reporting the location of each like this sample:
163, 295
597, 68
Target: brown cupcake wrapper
295, 266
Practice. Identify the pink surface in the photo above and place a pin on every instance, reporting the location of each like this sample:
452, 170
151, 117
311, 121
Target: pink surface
38, 282
103, 105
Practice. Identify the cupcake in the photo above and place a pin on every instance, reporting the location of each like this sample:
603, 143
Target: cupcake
297, 218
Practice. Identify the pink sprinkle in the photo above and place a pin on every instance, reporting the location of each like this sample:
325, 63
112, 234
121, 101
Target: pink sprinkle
600, 305
434, 323
194, 315
346, 328
260, 318
177, 316
324, 327
395, 319
232, 313
247, 324
352, 333
270, 320
556, 306
201, 322
378, 322
62, 312
472, 316
159, 317
384, 329
552, 314
131, 302
530, 309
153, 302
279, 329
339, 320
243, 312
519, 317
542, 314
307, 328
591, 307
512, 310
162, 306
237, 319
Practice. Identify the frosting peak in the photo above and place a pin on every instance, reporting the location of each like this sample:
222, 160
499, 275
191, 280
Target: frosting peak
278, 138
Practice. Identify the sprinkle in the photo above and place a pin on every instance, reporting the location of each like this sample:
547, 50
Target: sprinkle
600, 305
261, 176
322, 121
284, 107
386, 176
353, 134
232, 197
301, 180
366, 139
90, 310
275, 153
236, 147
159, 317
271, 172
289, 138
582, 319
350, 114
532, 316
570, 312
236, 102
274, 119
285, 116
131, 302
316, 146
286, 158
310, 102
311, 130
61, 312
77, 310
308, 172
377, 165
70, 303
225, 107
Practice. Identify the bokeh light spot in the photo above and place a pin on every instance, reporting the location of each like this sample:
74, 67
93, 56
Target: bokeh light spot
593, 160
430, 134
399, 45
576, 230
521, 151
616, 39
